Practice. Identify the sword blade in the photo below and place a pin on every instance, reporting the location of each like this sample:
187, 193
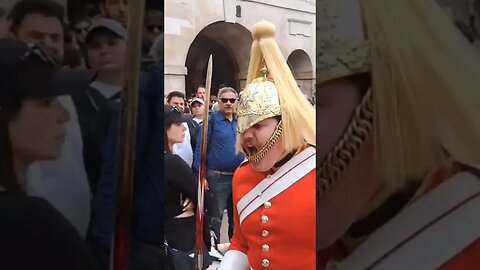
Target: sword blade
203, 168
125, 168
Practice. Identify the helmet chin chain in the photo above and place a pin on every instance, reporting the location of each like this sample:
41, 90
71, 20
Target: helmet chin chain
268, 146
347, 147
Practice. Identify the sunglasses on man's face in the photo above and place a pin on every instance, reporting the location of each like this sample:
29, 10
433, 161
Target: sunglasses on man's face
231, 100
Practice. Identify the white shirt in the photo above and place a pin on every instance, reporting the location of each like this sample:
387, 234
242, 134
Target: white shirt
107, 90
215, 107
184, 150
63, 182
198, 120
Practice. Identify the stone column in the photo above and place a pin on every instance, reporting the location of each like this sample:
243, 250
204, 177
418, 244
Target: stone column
175, 78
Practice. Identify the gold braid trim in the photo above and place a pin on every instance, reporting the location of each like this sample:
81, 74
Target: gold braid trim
268, 146
347, 147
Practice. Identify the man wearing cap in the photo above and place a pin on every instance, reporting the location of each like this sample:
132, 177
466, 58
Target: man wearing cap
148, 199
197, 106
106, 55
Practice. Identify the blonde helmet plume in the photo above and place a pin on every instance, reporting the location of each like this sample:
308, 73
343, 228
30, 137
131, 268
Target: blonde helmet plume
298, 115
426, 95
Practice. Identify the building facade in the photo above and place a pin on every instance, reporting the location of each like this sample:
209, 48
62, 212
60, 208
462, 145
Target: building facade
194, 29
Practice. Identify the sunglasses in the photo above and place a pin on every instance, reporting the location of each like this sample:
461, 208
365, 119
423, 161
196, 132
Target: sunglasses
231, 100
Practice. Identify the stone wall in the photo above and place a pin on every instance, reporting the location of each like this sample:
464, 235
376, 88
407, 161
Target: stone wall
228, 24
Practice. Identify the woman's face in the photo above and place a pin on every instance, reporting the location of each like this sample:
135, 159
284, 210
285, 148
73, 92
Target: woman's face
38, 131
254, 138
176, 133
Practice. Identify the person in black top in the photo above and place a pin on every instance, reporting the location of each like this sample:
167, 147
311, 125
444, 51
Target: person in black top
181, 187
33, 235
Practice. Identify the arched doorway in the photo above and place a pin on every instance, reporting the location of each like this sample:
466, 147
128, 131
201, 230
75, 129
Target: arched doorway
79, 8
302, 70
229, 44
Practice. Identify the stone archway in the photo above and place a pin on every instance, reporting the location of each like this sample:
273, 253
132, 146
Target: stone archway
229, 44
302, 69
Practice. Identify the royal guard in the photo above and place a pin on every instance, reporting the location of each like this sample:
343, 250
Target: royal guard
274, 190
398, 106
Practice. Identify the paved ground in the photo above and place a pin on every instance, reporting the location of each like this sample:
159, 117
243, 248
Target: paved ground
223, 238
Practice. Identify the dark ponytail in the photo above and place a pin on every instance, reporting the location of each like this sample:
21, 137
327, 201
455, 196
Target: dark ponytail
8, 178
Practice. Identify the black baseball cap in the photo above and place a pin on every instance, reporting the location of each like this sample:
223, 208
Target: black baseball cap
27, 72
174, 115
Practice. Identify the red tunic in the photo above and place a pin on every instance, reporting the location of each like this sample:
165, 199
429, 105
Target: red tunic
287, 239
466, 259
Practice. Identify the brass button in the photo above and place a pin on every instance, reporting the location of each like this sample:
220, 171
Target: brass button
265, 263
265, 248
264, 219
265, 233
267, 205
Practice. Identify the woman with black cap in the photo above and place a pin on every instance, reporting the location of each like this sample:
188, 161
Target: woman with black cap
32, 128
181, 187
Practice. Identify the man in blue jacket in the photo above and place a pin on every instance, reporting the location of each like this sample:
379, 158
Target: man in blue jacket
222, 160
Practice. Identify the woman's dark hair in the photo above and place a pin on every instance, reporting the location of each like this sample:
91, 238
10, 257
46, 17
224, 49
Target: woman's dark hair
8, 178
166, 146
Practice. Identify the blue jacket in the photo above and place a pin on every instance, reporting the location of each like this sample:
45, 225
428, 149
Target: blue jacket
221, 140
147, 220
